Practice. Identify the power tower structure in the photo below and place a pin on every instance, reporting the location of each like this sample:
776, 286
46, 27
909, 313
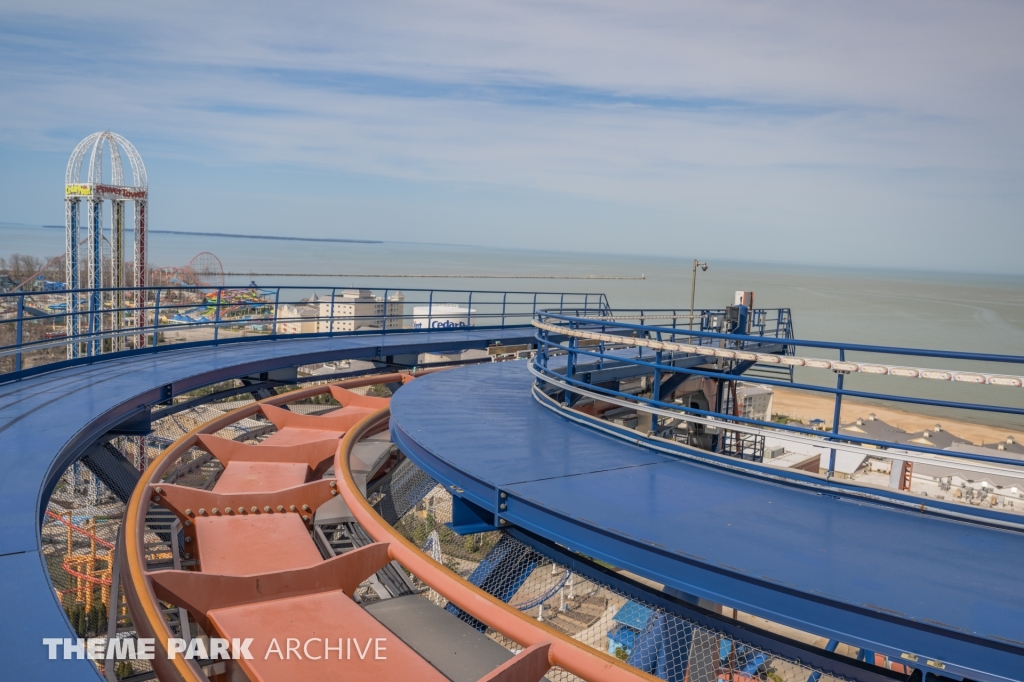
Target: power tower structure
92, 191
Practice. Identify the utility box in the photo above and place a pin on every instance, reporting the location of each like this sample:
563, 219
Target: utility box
744, 298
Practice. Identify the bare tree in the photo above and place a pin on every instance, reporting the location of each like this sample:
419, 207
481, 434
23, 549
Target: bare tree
20, 267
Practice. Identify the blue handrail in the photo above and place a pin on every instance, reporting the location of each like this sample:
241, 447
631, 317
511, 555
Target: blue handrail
806, 343
42, 324
561, 382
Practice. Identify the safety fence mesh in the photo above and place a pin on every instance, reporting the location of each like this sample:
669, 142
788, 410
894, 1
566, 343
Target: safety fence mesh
86, 508
634, 630
84, 514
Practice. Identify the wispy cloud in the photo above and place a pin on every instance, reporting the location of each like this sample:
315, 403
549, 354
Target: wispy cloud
775, 121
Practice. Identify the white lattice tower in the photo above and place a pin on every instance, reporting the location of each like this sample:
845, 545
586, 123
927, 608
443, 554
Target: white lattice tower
93, 191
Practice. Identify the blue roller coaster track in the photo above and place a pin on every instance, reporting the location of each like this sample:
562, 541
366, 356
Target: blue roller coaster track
620, 442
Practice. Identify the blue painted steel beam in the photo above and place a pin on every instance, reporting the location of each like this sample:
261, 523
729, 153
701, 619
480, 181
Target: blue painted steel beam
786, 553
826, 661
509, 335
113, 468
554, 375
48, 421
501, 573
810, 387
897, 499
655, 653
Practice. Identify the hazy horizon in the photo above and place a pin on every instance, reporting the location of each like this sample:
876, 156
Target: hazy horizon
867, 135
681, 259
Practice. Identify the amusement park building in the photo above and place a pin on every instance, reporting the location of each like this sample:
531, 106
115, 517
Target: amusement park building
360, 309
353, 309
754, 401
297, 319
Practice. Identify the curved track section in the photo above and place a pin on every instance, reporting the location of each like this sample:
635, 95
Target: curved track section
47, 422
257, 572
918, 586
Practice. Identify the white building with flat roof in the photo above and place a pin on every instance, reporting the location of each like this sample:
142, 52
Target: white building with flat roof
754, 401
350, 310
299, 318
354, 309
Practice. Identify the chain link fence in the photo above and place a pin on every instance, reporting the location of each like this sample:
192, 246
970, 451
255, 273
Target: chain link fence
634, 630
85, 511
84, 514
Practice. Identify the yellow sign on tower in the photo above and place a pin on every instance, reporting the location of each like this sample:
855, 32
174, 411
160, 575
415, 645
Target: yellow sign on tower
78, 190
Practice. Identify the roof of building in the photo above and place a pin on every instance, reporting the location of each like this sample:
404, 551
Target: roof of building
986, 450
633, 614
1007, 446
746, 389
997, 480
793, 460
935, 438
873, 428
299, 310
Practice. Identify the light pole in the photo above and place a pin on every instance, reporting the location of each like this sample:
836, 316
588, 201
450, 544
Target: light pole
693, 285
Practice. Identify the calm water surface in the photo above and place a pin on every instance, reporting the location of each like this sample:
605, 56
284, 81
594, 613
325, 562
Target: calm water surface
970, 312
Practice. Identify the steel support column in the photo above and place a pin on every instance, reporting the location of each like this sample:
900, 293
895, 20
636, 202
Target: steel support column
835, 416
95, 275
117, 270
141, 215
72, 208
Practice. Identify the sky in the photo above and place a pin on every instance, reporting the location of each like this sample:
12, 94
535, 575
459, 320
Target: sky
857, 133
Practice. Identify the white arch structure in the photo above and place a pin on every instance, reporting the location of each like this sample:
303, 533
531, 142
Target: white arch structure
93, 192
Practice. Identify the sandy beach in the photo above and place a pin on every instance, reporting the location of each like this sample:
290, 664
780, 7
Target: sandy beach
805, 405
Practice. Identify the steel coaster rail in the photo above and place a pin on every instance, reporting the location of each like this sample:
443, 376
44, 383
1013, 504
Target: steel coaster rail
563, 651
147, 613
575, 327
541, 642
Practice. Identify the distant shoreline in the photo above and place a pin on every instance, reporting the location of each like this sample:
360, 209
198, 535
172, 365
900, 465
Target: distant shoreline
251, 236
400, 276
805, 405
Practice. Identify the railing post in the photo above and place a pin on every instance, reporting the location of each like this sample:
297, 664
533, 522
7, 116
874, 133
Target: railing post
330, 322
17, 332
156, 318
639, 348
656, 388
469, 311
570, 367
277, 299
835, 417
430, 309
534, 304
504, 298
384, 320
216, 316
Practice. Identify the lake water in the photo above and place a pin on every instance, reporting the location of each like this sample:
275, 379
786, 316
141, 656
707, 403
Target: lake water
968, 312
